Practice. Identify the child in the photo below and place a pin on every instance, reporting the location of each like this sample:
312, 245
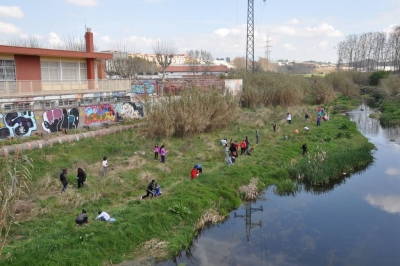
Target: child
105, 166
163, 152
156, 151
304, 147
274, 126
296, 131
81, 177
157, 190
194, 173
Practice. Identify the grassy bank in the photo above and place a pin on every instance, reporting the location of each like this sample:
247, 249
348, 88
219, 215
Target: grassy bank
46, 233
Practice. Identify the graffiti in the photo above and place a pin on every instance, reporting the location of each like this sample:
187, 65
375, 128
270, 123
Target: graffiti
101, 113
17, 124
139, 87
57, 119
129, 110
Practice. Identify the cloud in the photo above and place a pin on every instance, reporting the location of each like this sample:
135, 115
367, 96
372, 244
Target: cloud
289, 47
293, 21
389, 204
323, 45
8, 28
11, 12
322, 30
83, 2
392, 171
54, 40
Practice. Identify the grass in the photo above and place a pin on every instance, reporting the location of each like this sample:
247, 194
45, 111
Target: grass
47, 235
390, 115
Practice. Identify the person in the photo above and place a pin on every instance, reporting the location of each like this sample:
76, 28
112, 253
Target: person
228, 160
306, 117
163, 152
257, 135
325, 117
242, 147
103, 216
194, 173
232, 149
226, 150
306, 128
82, 218
81, 177
64, 180
198, 167
304, 147
237, 148
105, 166
233, 159
289, 118
296, 131
149, 190
224, 142
250, 151
319, 121
157, 190
246, 139
156, 151
274, 126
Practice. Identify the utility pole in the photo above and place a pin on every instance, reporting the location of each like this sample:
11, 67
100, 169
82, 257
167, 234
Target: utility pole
250, 37
267, 51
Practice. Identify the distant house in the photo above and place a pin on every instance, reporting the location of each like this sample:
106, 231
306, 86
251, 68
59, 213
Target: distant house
200, 70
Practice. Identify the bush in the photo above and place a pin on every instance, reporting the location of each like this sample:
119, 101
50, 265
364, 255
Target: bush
343, 83
375, 77
391, 85
321, 90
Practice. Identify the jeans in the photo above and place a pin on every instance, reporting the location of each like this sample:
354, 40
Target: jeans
105, 170
256, 139
64, 187
148, 192
163, 158
156, 156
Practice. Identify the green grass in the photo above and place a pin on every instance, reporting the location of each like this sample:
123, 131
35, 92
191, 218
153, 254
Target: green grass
390, 115
48, 236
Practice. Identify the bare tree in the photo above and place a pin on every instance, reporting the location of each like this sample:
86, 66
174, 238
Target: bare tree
165, 52
199, 60
193, 60
207, 59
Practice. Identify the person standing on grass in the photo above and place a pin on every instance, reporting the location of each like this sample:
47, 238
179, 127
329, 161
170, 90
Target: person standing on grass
319, 121
237, 148
289, 118
257, 135
226, 150
304, 148
81, 177
149, 190
246, 139
105, 166
156, 151
82, 218
232, 149
242, 147
163, 152
274, 126
306, 117
64, 180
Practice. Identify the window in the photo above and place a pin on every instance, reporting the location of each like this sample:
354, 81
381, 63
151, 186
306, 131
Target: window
67, 103
123, 99
87, 101
7, 75
105, 100
83, 71
50, 71
63, 71
17, 107
69, 71
49, 104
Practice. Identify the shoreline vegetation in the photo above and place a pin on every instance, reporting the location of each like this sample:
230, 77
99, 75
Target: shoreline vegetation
44, 232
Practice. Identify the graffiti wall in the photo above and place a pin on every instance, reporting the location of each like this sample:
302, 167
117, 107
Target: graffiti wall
17, 124
129, 110
144, 87
102, 113
56, 119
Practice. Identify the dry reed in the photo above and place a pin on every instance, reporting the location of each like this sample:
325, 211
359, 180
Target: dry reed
250, 191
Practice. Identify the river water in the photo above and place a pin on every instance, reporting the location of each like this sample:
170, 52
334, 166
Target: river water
354, 222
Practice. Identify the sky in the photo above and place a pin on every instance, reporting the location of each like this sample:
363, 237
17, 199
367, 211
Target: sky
298, 30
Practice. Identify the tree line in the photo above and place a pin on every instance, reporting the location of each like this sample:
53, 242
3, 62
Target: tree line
370, 51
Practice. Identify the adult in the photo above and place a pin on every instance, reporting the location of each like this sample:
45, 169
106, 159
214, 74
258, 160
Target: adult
274, 126
81, 177
149, 190
82, 218
226, 150
246, 139
198, 167
318, 121
105, 166
304, 148
103, 216
242, 147
157, 190
289, 118
224, 142
194, 173
306, 117
257, 135
156, 151
232, 149
163, 152
237, 147
64, 180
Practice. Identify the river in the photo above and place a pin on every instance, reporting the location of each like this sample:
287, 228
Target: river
354, 222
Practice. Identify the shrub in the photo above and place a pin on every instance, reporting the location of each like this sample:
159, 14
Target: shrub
321, 90
391, 85
343, 83
375, 77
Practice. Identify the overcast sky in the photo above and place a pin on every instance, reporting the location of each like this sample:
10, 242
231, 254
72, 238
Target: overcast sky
298, 29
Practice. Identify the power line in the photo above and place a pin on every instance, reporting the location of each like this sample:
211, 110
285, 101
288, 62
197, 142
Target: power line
267, 51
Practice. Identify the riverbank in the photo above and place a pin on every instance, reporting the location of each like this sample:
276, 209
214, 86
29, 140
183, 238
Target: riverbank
47, 234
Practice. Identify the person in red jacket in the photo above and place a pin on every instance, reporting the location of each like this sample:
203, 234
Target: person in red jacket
194, 173
243, 147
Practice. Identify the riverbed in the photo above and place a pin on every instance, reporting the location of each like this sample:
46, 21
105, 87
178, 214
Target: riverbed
352, 222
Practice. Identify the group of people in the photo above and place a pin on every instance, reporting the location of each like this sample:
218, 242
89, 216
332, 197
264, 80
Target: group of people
153, 190
101, 215
81, 178
160, 150
232, 150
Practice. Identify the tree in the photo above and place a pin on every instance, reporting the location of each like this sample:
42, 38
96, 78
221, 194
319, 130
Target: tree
197, 58
165, 52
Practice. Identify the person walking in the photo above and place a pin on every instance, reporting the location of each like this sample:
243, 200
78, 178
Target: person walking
105, 166
242, 147
150, 189
289, 118
274, 126
163, 152
156, 151
64, 180
319, 121
257, 135
81, 177
232, 149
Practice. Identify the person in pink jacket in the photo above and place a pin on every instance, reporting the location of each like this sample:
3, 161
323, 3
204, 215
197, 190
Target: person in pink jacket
163, 152
156, 151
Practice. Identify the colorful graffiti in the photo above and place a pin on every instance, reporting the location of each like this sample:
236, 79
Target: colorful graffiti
129, 110
57, 119
140, 86
101, 113
17, 124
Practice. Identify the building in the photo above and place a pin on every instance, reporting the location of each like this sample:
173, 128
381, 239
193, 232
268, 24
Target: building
178, 59
196, 70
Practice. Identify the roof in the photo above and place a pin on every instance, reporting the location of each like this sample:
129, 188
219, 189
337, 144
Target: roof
201, 68
4, 49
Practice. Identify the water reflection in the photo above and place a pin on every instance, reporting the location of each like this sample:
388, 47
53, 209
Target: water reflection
389, 204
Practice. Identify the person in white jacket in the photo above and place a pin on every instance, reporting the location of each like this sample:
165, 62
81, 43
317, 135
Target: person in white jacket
103, 216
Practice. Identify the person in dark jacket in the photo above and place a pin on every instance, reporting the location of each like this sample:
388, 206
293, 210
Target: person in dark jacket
149, 190
246, 139
64, 180
304, 148
81, 177
82, 218
232, 149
